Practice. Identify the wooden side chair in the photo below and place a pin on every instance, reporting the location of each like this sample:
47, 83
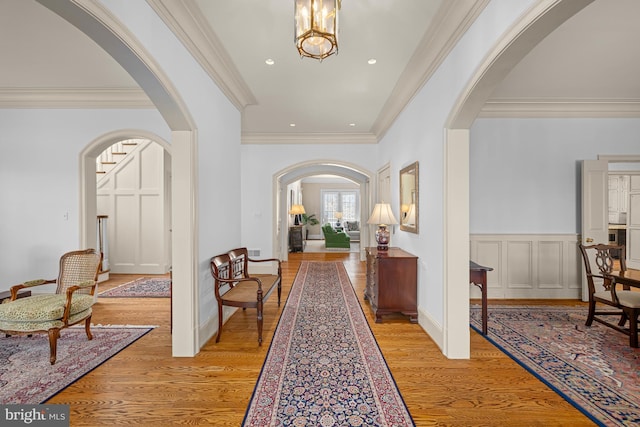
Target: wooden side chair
603, 290
235, 287
70, 304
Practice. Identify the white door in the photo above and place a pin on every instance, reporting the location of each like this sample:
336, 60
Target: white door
633, 224
595, 207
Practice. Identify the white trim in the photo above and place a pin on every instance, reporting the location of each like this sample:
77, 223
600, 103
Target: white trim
456, 344
185, 19
559, 107
309, 138
74, 98
184, 237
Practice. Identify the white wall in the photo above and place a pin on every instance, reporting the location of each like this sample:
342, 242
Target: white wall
39, 183
525, 173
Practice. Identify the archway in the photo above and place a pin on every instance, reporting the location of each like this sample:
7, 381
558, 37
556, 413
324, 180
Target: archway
96, 21
298, 171
88, 197
524, 35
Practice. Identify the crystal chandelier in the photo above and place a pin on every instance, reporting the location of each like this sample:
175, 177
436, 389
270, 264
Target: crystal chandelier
316, 27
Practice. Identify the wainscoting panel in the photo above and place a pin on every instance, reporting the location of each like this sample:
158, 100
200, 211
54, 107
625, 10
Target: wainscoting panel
535, 266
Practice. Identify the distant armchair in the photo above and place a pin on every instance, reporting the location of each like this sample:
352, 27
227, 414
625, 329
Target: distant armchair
352, 228
334, 239
71, 303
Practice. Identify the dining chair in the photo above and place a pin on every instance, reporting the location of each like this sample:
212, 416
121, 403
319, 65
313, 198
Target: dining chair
603, 290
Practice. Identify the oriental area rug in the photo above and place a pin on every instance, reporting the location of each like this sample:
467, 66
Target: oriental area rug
324, 366
593, 368
144, 287
27, 377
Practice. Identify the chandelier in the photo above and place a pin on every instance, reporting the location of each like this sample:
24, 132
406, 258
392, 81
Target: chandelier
316, 27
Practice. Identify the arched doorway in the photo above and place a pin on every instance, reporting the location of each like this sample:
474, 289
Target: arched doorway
100, 25
298, 171
540, 20
90, 195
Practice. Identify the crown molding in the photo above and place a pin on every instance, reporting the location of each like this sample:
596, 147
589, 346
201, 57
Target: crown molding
185, 19
450, 23
74, 98
309, 138
560, 108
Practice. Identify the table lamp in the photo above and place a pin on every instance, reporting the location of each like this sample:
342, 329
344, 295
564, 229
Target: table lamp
296, 211
382, 216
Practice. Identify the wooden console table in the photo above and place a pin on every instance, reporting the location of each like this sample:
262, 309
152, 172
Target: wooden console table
392, 283
478, 277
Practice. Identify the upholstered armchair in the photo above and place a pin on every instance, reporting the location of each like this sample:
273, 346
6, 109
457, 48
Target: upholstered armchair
72, 302
333, 239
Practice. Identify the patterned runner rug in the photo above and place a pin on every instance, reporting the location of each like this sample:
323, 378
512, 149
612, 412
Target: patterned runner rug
144, 287
27, 377
593, 368
324, 366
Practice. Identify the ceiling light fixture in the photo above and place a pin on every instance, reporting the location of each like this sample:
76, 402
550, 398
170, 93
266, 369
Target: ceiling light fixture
269, 61
316, 28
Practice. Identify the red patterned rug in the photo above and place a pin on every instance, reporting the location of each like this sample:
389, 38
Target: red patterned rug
144, 287
27, 377
324, 366
593, 368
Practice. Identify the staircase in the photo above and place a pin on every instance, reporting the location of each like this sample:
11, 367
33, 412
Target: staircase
110, 157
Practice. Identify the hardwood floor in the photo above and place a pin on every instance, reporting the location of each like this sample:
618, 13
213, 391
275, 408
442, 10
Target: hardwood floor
143, 385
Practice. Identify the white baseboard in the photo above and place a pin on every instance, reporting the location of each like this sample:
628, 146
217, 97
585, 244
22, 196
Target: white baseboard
431, 327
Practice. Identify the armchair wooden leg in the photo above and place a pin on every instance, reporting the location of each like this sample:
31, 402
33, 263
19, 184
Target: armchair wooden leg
87, 328
54, 334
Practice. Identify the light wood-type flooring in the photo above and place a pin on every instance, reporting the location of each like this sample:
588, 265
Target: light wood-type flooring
144, 386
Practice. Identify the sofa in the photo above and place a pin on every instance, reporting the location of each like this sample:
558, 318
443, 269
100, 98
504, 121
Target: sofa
335, 239
352, 228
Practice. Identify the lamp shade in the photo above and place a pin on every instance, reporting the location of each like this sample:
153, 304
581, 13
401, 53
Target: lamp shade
296, 210
339, 215
382, 214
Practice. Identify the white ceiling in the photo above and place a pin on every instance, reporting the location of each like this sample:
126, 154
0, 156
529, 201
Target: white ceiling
589, 66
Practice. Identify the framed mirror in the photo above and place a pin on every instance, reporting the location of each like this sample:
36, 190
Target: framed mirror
409, 197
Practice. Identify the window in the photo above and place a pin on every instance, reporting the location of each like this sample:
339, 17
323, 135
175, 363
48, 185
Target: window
345, 201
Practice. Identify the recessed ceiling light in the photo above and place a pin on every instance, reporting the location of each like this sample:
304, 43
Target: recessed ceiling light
352, 124
372, 61
292, 125
269, 61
